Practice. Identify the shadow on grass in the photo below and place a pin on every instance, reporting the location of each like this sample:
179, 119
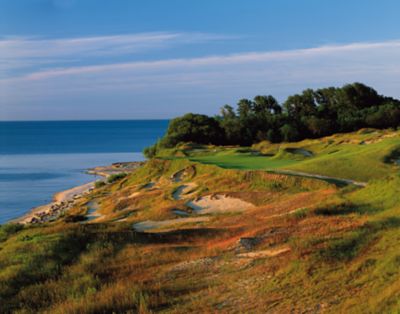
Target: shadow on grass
348, 247
181, 235
342, 209
346, 209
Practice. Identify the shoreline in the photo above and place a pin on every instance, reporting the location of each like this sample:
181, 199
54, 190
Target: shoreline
66, 199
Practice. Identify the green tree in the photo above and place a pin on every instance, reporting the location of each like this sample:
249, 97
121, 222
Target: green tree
289, 133
244, 108
195, 128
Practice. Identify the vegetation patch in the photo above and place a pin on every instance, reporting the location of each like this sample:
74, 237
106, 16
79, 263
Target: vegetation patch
8, 230
393, 157
337, 209
116, 177
346, 248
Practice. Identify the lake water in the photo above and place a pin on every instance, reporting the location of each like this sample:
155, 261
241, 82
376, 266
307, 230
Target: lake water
38, 159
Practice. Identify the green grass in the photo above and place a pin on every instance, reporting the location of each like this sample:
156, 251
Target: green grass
344, 242
245, 162
351, 161
341, 156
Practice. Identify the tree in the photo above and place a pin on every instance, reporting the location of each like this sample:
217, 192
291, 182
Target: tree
310, 114
273, 136
360, 96
244, 108
195, 128
227, 112
231, 125
300, 105
289, 133
266, 104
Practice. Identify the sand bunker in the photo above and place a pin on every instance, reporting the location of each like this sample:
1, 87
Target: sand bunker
177, 176
180, 212
184, 191
92, 213
212, 204
300, 151
148, 185
150, 224
265, 253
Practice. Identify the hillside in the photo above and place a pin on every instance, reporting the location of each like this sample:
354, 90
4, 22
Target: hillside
305, 227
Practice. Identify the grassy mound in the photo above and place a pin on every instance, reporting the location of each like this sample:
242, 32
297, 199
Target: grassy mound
310, 245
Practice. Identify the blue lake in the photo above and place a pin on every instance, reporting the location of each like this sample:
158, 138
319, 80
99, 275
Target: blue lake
38, 159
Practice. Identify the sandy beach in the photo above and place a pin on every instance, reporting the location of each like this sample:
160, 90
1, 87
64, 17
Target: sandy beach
64, 200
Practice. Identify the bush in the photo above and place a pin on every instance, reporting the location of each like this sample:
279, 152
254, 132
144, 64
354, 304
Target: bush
196, 128
99, 184
75, 218
116, 177
150, 152
8, 230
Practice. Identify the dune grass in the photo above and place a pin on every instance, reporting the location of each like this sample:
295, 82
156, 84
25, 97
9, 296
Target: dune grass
342, 257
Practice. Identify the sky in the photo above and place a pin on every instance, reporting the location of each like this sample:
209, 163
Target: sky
157, 59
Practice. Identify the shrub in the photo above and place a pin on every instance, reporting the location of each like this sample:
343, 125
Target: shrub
150, 152
196, 128
99, 184
116, 177
75, 218
347, 247
8, 230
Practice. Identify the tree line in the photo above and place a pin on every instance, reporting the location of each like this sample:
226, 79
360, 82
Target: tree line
311, 114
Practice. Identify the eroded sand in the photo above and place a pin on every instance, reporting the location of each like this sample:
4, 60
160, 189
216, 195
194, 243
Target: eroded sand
265, 253
150, 224
219, 203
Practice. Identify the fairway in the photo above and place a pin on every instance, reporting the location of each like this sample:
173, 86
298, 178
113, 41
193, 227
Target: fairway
245, 162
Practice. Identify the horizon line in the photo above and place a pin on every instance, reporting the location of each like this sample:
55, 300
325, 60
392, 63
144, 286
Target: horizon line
88, 120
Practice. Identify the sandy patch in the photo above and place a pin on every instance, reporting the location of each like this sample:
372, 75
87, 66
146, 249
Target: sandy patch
116, 168
180, 212
73, 193
188, 265
134, 194
150, 224
184, 191
92, 213
63, 201
265, 253
149, 185
177, 176
218, 204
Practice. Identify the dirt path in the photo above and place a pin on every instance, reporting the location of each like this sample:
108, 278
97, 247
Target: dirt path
339, 181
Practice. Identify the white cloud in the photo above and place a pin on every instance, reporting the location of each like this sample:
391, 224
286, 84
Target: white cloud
344, 51
20, 52
174, 86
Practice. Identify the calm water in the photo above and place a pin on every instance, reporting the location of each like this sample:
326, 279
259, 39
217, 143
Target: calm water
38, 159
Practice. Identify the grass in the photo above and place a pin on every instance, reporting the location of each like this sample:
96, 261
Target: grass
244, 161
115, 177
343, 242
358, 156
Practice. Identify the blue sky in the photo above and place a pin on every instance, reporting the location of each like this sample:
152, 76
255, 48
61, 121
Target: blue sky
97, 59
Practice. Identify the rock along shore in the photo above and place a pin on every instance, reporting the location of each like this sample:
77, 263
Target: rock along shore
65, 200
